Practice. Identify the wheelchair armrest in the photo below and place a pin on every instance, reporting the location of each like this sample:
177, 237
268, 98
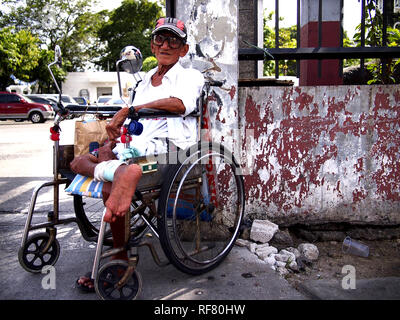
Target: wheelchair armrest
93, 109
154, 113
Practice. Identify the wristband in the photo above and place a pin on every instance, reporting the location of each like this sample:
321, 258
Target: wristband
132, 111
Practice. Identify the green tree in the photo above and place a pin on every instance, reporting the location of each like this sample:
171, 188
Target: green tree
149, 63
19, 55
374, 38
130, 24
287, 39
42, 75
70, 24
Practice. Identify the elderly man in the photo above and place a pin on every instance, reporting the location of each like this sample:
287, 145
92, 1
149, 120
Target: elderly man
168, 87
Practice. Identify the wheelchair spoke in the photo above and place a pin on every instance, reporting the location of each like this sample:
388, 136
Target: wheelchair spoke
202, 211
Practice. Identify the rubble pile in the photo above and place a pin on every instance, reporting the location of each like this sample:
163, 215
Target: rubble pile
289, 259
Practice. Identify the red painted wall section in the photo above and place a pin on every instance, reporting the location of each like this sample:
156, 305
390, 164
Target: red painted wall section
323, 153
309, 75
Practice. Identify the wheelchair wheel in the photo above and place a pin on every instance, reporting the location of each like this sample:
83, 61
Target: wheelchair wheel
201, 208
31, 257
89, 212
108, 277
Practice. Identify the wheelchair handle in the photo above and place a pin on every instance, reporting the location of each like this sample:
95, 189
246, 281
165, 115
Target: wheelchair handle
215, 83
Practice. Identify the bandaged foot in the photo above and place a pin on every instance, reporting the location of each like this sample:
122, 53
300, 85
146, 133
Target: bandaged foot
105, 170
125, 180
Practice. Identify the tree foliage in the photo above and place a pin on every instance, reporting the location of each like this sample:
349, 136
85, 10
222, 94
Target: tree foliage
30, 29
149, 63
130, 24
287, 39
70, 24
382, 71
19, 55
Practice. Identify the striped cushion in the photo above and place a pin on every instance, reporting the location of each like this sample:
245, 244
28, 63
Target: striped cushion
85, 186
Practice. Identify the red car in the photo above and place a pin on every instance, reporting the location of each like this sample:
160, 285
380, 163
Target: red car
18, 107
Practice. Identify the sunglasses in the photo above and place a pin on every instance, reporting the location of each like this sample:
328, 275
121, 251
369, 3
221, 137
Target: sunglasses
173, 42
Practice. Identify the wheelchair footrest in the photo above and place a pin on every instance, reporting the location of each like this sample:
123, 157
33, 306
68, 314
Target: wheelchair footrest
154, 254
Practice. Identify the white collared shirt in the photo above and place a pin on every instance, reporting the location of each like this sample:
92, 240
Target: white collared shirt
182, 83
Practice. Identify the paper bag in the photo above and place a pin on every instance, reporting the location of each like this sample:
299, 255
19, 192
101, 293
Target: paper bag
87, 131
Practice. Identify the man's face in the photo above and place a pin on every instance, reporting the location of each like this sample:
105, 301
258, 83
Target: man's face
167, 53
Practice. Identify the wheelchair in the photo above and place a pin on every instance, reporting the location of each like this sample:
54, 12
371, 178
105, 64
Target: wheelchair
191, 200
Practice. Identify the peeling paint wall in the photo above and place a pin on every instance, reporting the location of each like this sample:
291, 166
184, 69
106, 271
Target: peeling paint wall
322, 154
212, 37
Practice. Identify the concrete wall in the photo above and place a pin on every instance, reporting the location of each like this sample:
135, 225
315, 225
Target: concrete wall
212, 37
322, 154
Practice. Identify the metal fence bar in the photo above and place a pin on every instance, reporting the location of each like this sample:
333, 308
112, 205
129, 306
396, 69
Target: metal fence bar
362, 62
341, 38
321, 53
276, 36
170, 8
319, 36
384, 37
298, 37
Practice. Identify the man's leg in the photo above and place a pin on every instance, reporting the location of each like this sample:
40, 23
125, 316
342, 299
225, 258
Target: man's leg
126, 178
86, 164
117, 198
117, 225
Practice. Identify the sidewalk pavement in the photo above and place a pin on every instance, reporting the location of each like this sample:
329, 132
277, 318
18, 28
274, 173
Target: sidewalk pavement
241, 276
364, 289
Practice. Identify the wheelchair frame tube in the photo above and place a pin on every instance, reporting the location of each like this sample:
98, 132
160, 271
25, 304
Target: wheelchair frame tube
99, 246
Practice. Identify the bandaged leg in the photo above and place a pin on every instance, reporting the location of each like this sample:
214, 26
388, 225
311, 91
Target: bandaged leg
105, 170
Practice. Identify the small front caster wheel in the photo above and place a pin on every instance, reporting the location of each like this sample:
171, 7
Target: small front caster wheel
31, 256
106, 284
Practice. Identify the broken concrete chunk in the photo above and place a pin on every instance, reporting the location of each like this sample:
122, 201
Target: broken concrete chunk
263, 230
270, 261
242, 243
264, 252
295, 251
264, 245
284, 257
282, 271
309, 251
288, 254
252, 247
293, 266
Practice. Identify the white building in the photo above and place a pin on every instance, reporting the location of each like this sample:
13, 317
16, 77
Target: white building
91, 85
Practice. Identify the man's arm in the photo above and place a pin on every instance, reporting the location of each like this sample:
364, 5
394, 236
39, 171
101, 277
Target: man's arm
172, 104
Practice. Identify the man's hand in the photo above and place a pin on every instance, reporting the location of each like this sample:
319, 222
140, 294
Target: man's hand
114, 127
105, 152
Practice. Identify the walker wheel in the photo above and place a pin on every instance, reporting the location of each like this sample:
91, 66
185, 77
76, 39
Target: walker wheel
31, 257
108, 277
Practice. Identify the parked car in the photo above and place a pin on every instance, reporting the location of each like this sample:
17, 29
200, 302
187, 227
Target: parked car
81, 100
19, 107
115, 101
38, 99
65, 98
101, 101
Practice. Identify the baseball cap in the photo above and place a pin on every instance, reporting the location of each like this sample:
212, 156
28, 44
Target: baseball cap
171, 24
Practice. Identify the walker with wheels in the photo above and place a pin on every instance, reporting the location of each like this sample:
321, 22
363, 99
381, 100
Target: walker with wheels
191, 200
